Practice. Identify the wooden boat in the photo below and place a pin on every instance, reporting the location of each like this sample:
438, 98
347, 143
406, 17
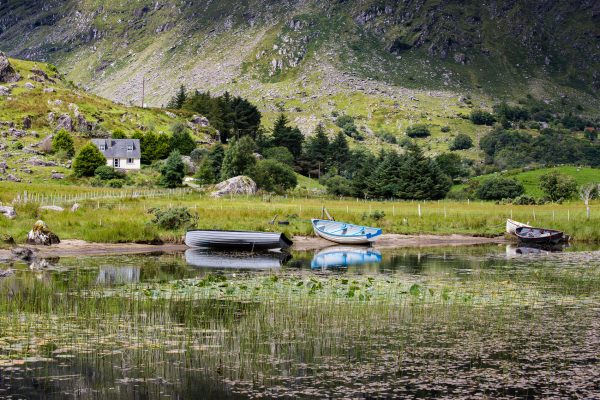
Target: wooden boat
539, 235
241, 240
341, 257
260, 261
344, 233
512, 225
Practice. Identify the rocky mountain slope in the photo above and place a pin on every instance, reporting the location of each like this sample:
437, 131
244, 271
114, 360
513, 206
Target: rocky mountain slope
388, 63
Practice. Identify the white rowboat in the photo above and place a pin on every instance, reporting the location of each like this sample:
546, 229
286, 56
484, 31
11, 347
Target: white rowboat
238, 240
511, 226
344, 233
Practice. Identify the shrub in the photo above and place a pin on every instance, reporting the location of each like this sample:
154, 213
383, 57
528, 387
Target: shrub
339, 186
281, 154
63, 141
273, 176
418, 131
480, 117
498, 188
106, 173
116, 183
172, 218
558, 186
445, 129
118, 135
181, 139
88, 159
206, 173
524, 200
173, 171
461, 142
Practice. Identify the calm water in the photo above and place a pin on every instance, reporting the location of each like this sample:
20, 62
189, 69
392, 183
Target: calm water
467, 322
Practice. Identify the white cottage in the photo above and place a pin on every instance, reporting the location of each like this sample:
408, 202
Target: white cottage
120, 153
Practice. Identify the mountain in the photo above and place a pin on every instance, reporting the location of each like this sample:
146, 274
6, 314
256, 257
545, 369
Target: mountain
389, 64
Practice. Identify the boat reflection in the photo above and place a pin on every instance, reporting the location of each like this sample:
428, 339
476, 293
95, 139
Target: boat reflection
342, 257
110, 275
201, 258
521, 250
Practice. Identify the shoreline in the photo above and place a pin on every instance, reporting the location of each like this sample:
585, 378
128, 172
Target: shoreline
73, 247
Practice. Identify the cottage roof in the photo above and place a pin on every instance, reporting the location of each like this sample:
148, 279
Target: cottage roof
118, 148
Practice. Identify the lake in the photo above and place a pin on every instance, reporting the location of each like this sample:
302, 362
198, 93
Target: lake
461, 322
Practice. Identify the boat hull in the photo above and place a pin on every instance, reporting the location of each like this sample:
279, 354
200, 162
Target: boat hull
539, 236
334, 232
242, 240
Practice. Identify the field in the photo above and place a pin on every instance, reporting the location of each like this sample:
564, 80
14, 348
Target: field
531, 179
110, 216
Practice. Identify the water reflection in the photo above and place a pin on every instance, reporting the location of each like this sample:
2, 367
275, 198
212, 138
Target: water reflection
531, 249
341, 257
111, 275
200, 258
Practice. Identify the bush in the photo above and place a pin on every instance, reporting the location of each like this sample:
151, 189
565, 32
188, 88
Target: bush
524, 200
461, 142
418, 131
172, 218
498, 188
273, 176
558, 186
281, 154
118, 135
339, 186
88, 159
173, 171
106, 173
116, 183
63, 141
445, 129
181, 139
206, 173
480, 117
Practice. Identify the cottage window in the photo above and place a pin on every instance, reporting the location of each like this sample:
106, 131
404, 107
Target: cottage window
130, 161
129, 147
102, 147
117, 164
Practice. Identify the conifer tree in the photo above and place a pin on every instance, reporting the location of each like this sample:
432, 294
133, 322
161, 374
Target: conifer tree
286, 136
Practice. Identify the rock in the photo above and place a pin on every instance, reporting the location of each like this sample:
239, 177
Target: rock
4, 91
29, 85
48, 90
83, 125
36, 162
8, 212
51, 117
75, 207
58, 176
27, 122
6, 273
41, 235
460, 58
7, 72
189, 164
22, 253
235, 186
64, 122
170, 114
198, 120
13, 178
52, 208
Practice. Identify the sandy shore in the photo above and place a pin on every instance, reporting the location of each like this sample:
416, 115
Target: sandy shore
81, 248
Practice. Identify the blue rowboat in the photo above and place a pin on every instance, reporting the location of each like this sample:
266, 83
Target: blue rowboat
344, 233
344, 256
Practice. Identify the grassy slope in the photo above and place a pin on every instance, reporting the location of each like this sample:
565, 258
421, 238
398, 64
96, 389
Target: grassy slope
531, 179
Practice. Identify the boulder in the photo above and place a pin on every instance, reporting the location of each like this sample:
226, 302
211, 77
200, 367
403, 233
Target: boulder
199, 120
239, 185
27, 122
8, 212
52, 208
4, 91
64, 122
170, 114
75, 207
7, 72
41, 235
36, 162
189, 164
29, 86
13, 178
58, 176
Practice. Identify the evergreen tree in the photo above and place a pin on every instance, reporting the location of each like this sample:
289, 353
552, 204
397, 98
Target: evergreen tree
179, 99
206, 173
245, 117
317, 149
239, 158
216, 155
181, 139
162, 147
173, 171
339, 153
286, 136
63, 142
88, 159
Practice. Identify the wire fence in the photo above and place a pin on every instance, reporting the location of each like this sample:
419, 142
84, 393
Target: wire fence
70, 198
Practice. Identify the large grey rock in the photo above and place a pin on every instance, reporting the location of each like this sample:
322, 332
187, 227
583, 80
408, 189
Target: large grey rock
58, 176
41, 235
189, 164
36, 162
64, 122
13, 178
8, 212
199, 120
4, 91
239, 185
7, 72
29, 85
52, 208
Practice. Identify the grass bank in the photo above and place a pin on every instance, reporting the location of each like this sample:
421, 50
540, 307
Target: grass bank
126, 219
